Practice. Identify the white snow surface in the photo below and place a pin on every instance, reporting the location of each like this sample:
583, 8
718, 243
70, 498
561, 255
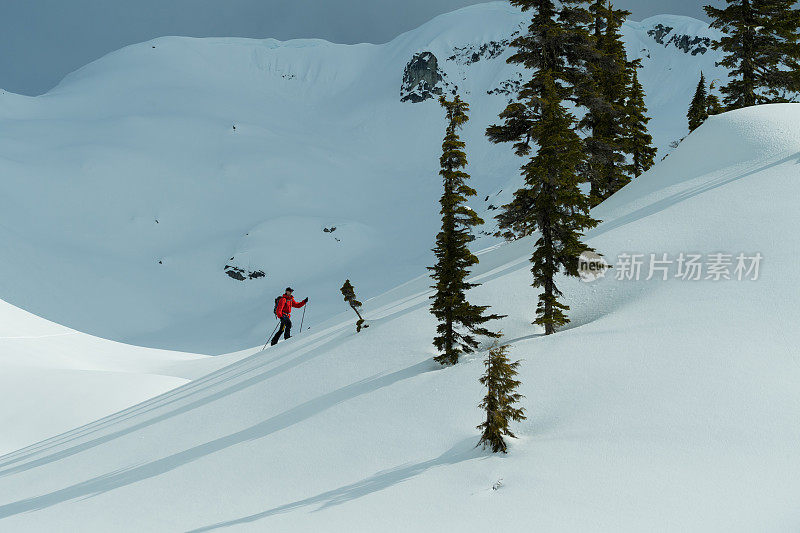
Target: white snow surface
54, 378
664, 406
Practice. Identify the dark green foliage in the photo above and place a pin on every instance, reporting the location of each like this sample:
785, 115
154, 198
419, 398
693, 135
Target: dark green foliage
459, 321
516, 128
604, 96
704, 104
713, 105
761, 50
638, 142
349, 294
555, 48
597, 9
698, 108
500, 400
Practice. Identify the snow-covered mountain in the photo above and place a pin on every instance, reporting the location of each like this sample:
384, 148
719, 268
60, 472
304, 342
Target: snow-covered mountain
666, 406
142, 199
163, 195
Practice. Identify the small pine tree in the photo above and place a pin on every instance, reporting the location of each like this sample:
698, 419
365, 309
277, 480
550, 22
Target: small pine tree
500, 401
698, 108
556, 47
454, 258
713, 105
639, 143
349, 294
762, 50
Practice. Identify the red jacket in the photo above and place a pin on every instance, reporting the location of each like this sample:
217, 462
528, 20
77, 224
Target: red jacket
285, 306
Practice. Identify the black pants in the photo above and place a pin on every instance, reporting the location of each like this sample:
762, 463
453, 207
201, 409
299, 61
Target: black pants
285, 328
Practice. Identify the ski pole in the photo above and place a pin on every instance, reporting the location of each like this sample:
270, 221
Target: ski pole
270, 336
303, 317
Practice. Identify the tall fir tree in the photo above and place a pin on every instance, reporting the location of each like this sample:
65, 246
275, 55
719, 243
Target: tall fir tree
698, 108
761, 50
555, 48
639, 143
349, 293
604, 97
459, 321
500, 401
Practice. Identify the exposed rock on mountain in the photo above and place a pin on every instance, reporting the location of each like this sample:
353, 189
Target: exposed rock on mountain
422, 78
690, 44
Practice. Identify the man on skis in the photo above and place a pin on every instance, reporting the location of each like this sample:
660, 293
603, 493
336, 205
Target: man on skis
283, 310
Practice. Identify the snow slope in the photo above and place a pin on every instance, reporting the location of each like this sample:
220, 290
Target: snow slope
54, 378
126, 190
666, 406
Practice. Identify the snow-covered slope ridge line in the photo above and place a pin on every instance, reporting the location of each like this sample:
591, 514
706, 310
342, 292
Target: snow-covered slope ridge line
667, 405
166, 193
54, 378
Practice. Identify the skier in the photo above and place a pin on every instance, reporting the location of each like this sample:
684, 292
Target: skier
283, 310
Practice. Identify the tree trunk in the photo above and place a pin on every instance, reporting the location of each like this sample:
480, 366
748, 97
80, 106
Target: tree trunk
748, 66
356, 310
549, 284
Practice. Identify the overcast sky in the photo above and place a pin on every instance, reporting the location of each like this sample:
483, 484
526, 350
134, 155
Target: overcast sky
43, 40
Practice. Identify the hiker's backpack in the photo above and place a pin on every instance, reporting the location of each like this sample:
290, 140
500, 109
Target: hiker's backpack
275, 309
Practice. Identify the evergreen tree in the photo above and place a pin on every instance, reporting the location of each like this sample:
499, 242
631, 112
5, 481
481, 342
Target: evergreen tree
639, 142
698, 108
459, 320
713, 105
761, 50
555, 48
349, 294
604, 97
500, 400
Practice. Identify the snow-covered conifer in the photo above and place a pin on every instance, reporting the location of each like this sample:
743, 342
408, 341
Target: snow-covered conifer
501, 399
604, 96
551, 201
698, 108
762, 50
459, 320
639, 142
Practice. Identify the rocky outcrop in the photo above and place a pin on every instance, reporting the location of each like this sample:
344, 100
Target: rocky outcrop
467, 55
241, 274
422, 79
690, 44
659, 31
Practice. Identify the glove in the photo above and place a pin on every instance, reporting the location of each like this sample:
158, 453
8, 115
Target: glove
306, 300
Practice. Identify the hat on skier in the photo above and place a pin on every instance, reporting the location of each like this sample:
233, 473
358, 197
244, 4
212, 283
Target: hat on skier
289, 289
